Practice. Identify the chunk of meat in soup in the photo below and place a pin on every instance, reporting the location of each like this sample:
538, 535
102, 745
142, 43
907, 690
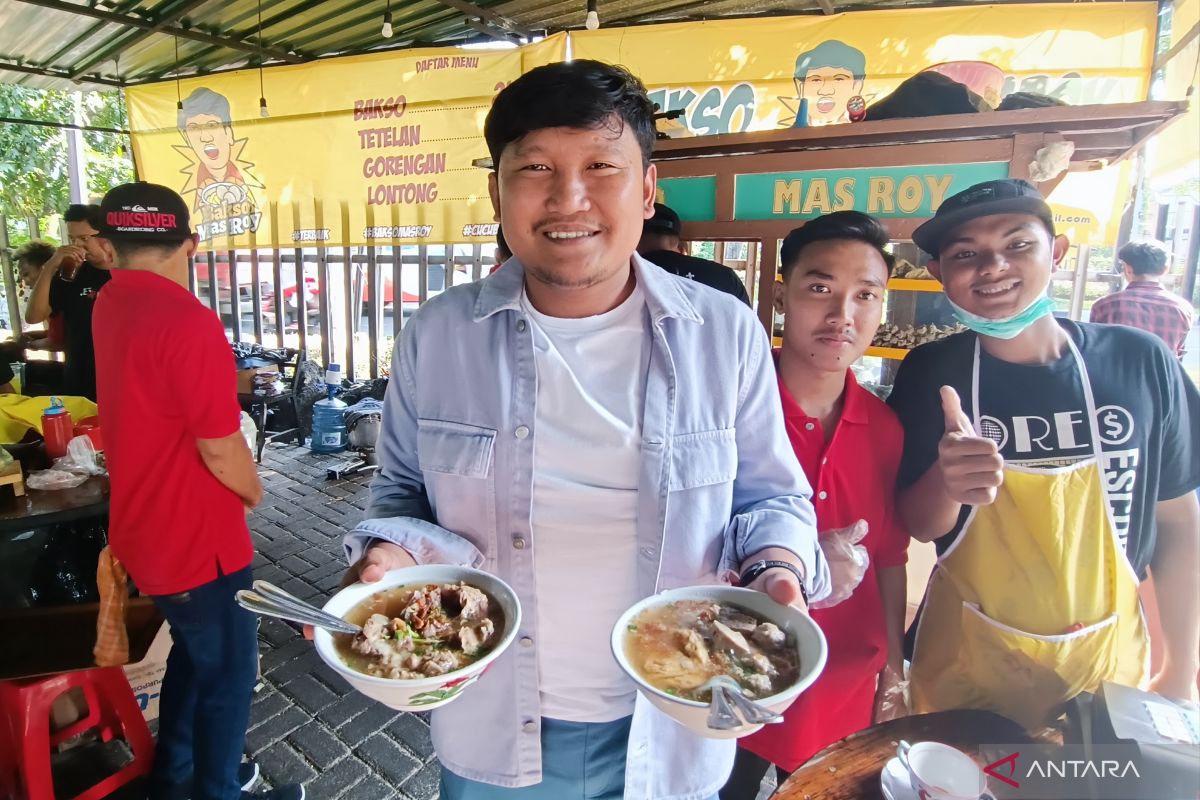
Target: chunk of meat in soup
673, 669
439, 627
474, 603
439, 663
759, 684
473, 637
725, 638
421, 604
768, 634
692, 644
731, 641
737, 621
377, 641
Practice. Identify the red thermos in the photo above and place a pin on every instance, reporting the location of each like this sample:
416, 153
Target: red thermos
57, 429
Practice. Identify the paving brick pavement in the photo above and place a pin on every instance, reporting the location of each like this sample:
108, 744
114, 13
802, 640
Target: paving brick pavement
306, 723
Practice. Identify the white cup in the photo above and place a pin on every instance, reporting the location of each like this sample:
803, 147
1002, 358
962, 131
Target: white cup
939, 772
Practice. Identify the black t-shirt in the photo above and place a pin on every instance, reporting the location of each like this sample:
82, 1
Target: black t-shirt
1148, 416
75, 300
700, 270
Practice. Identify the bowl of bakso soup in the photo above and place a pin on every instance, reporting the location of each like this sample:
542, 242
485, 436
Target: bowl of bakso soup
674, 643
428, 633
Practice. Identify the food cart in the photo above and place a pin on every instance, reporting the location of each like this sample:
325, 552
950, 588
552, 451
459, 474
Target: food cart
757, 187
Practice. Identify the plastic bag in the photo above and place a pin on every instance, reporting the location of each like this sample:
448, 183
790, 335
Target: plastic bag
249, 431
847, 561
81, 457
891, 698
1051, 161
80, 463
54, 479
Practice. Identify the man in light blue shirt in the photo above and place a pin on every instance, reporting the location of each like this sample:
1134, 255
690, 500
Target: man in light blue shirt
592, 430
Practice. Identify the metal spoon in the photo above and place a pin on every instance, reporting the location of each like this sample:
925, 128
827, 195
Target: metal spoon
293, 610
280, 597
721, 716
729, 703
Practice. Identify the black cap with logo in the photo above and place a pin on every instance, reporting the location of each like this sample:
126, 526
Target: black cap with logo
664, 220
1008, 196
144, 211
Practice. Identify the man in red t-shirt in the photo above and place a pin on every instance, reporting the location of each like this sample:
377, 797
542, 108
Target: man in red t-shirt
849, 443
182, 480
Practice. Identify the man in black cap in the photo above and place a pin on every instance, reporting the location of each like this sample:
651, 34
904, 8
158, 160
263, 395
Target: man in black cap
1053, 462
68, 286
661, 244
182, 481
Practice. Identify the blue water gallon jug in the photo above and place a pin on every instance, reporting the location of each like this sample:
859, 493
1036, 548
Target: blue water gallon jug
329, 433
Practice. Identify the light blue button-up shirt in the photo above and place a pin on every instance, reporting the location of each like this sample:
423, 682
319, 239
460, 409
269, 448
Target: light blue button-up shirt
718, 482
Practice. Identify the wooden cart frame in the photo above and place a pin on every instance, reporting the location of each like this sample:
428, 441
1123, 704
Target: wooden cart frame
1006, 141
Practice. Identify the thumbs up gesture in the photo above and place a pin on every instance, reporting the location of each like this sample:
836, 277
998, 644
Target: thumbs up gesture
971, 466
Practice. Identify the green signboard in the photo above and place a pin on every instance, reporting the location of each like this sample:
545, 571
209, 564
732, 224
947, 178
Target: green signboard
693, 199
887, 192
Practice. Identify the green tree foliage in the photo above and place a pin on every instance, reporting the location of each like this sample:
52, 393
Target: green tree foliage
33, 159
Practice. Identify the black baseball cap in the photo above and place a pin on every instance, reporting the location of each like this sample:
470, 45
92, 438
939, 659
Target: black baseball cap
664, 220
1008, 196
144, 211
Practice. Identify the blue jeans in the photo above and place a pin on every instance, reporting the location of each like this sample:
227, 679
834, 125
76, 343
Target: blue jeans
580, 761
204, 705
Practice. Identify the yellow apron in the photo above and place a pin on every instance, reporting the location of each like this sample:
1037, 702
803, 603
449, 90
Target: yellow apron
1035, 601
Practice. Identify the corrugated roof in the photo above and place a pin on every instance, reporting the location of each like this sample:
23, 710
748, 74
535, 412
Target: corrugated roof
92, 43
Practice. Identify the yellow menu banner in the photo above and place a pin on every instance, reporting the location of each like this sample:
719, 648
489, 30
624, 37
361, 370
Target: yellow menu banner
378, 149
358, 150
756, 74
730, 76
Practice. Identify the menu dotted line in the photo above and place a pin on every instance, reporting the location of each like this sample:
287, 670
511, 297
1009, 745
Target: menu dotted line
454, 139
412, 110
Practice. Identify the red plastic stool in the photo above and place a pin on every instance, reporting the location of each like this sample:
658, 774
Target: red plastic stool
26, 741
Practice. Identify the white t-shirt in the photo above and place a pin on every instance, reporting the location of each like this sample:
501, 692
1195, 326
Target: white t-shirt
591, 379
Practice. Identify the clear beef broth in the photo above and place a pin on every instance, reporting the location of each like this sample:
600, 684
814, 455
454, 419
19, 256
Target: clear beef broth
421, 631
682, 645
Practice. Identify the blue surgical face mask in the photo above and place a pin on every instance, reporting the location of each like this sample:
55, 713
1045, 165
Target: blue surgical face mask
1005, 327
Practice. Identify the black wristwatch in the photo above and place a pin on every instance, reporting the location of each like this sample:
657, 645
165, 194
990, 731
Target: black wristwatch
751, 573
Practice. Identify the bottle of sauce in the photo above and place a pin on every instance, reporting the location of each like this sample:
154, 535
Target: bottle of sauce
57, 429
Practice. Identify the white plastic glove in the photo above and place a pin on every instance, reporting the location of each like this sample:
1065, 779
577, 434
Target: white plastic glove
847, 560
891, 695
249, 431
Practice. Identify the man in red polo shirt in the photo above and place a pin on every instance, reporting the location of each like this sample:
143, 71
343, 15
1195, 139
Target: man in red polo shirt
182, 480
849, 443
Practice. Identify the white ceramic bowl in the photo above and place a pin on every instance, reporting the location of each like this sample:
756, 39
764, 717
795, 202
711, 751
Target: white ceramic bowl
424, 693
802, 632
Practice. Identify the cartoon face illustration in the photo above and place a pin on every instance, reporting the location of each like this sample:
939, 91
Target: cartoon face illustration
827, 89
828, 76
218, 177
211, 139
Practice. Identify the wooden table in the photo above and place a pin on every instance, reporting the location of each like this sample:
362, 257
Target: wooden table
40, 509
849, 769
36, 527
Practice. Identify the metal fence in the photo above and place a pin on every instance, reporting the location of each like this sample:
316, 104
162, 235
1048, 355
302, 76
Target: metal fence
342, 305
